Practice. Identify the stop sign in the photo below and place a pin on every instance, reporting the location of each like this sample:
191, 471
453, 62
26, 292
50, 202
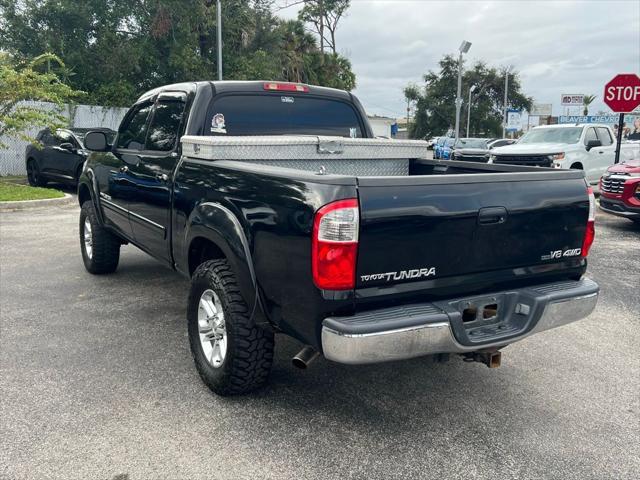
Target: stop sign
622, 93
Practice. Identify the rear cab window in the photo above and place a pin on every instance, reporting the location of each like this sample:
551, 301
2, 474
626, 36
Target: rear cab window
281, 114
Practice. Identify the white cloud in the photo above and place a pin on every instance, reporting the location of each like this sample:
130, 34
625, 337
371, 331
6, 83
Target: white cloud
558, 47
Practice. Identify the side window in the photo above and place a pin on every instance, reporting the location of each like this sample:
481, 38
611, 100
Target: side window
132, 132
165, 123
591, 135
604, 136
64, 137
47, 139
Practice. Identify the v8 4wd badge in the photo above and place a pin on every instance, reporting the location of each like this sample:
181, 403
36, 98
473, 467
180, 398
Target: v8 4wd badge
573, 252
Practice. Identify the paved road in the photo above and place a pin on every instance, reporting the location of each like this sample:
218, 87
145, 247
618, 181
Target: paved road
97, 383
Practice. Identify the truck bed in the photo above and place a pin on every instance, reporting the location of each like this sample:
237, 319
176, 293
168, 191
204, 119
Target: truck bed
428, 229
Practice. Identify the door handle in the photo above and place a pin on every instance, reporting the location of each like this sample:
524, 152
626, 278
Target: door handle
124, 169
600, 152
163, 177
492, 215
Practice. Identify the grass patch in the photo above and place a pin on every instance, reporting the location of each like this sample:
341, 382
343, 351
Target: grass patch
12, 190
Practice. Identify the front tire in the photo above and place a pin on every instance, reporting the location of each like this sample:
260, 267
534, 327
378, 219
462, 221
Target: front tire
231, 354
34, 176
100, 248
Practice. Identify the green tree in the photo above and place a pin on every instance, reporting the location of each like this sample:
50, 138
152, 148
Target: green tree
435, 106
24, 81
588, 100
117, 49
324, 16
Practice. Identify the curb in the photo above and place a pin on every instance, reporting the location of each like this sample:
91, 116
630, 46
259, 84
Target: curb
32, 204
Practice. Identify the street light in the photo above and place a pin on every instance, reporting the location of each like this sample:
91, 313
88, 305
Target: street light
464, 48
506, 90
219, 32
473, 87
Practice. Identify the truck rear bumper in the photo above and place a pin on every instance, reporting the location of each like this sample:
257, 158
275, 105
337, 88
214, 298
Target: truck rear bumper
450, 326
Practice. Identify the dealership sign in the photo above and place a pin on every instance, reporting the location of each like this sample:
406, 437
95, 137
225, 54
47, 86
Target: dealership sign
588, 119
622, 93
568, 100
514, 120
541, 109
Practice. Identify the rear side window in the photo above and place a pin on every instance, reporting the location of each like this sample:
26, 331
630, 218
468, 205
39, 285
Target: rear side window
165, 123
281, 115
133, 130
604, 136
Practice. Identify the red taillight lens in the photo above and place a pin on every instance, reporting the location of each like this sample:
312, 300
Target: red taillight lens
590, 232
335, 245
286, 87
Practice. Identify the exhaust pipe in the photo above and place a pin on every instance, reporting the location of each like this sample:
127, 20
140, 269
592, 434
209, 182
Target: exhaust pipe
304, 357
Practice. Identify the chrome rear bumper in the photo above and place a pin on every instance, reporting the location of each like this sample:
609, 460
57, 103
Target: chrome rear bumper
428, 329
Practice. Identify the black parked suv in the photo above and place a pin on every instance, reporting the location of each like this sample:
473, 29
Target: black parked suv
61, 156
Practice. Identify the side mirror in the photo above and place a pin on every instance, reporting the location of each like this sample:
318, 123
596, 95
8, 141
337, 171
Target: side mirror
96, 141
593, 143
68, 146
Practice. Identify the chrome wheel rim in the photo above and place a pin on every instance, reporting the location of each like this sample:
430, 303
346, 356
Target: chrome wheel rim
88, 238
212, 329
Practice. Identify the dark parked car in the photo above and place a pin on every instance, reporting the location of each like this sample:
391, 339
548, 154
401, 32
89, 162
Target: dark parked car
61, 156
288, 217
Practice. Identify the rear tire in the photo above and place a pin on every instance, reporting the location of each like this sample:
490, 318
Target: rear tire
231, 354
34, 176
100, 248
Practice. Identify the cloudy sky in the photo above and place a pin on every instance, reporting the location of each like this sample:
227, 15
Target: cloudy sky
557, 46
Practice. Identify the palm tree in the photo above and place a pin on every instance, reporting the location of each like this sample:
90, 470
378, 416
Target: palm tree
588, 100
298, 46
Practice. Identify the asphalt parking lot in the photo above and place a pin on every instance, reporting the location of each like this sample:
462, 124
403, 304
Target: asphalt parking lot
96, 381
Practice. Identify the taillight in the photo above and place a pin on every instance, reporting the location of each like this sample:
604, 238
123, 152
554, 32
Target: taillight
590, 232
286, 87
335, 245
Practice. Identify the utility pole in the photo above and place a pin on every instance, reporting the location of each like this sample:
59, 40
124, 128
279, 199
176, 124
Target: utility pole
219, 32
506, 89
321, 5
464, 48
473, 87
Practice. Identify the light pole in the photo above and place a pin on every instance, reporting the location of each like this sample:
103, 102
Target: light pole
506, 90
219, 28
473, 87
464, 48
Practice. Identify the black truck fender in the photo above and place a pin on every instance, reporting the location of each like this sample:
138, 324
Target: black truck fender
218, 225
87, 189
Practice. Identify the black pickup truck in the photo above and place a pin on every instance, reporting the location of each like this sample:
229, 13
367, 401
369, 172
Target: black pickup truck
288, 217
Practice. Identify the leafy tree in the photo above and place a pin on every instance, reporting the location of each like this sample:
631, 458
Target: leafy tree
435, 109
117, 49
588, 100
23, 81
324, 15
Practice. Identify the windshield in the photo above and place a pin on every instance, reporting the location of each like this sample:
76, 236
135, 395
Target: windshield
472, 143
552, 135
284, 114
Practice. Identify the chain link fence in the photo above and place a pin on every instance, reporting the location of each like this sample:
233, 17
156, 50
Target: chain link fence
12, 161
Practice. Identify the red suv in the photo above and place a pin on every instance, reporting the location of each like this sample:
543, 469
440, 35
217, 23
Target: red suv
620, 190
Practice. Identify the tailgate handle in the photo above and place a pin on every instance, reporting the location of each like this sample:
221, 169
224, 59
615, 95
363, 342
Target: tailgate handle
492, 215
